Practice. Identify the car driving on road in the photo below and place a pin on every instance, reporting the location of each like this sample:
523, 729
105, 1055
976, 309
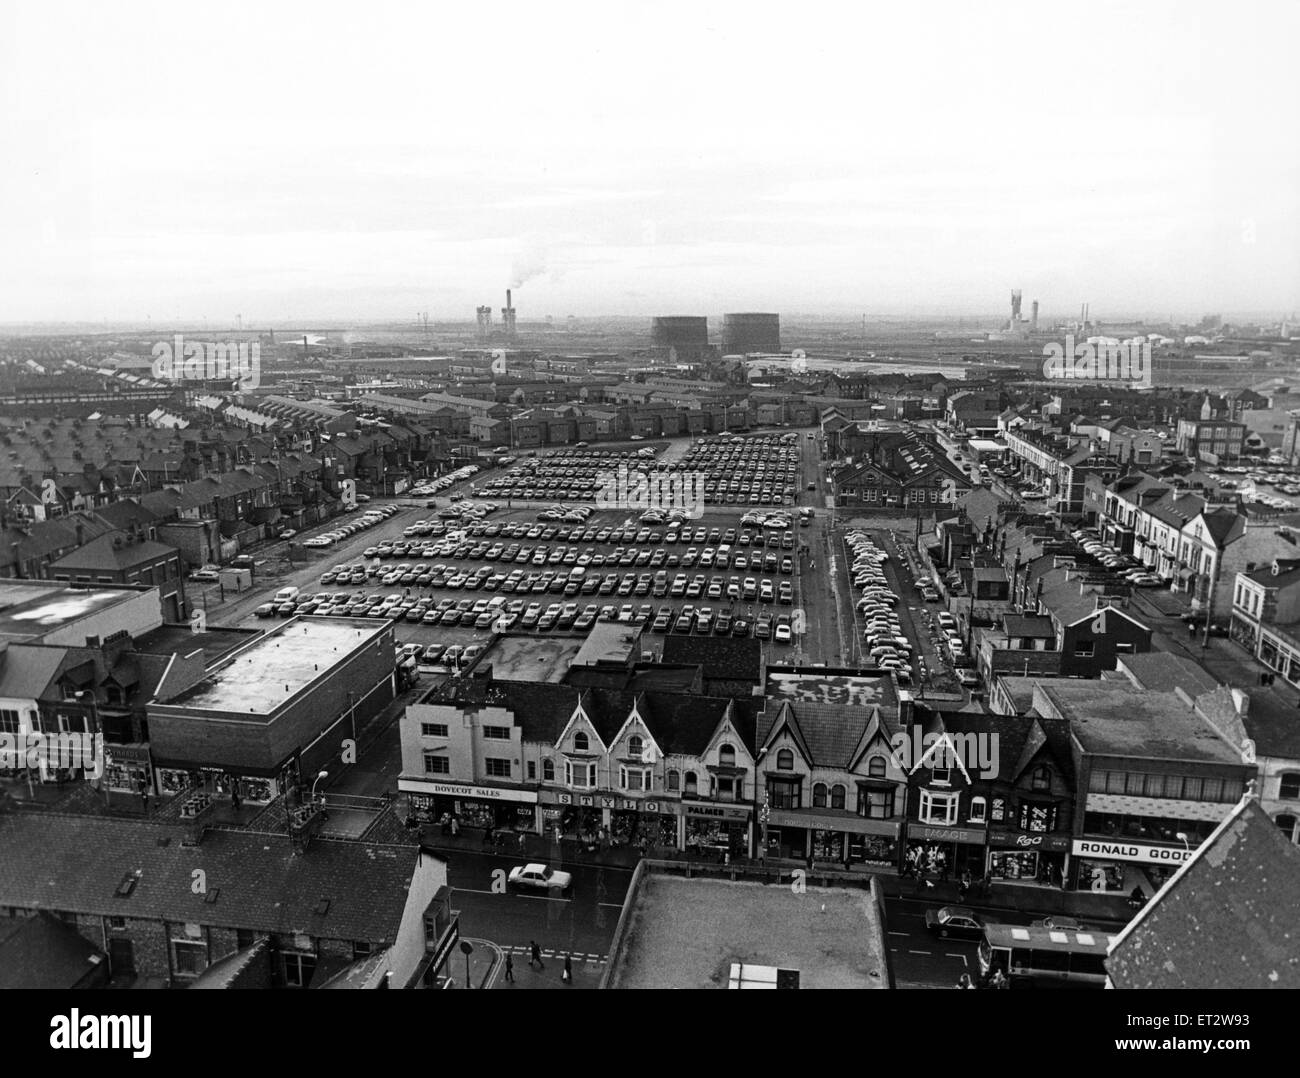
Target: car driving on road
539, 877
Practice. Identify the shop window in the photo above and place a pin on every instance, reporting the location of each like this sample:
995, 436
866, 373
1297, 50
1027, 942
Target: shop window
692, 784
548, 770
785, 760
436, 765
1289, 788
727, 755
876, 767
635, 747
580, 742
1037, 818
819, 795
939, 808
837, 796
497, 768
999, 809
1042, 778
674, 780
978, 810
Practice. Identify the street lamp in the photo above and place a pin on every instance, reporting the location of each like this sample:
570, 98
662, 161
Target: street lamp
1182, 837
322, 775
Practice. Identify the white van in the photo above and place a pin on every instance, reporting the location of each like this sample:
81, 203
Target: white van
286, 595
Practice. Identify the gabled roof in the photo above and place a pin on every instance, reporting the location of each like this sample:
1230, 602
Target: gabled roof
1225, 920
26, 670
113, 553
42, 952
828, 735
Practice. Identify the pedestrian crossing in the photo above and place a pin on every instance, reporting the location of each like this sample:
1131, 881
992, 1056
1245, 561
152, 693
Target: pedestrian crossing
577, 956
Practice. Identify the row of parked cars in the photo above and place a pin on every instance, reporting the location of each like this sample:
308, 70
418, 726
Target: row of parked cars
1114, 559
349, 528
569, 473
888, 646
433, 486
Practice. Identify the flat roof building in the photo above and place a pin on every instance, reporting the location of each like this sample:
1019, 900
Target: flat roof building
38, 611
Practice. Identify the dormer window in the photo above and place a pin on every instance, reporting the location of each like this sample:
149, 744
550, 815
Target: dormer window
785, 760
580, 742
635, 747
727, 755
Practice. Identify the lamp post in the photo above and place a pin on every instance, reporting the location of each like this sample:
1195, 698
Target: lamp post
322, 775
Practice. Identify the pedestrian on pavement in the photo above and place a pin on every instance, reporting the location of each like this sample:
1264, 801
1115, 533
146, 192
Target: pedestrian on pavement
534, 955
522, 842
510, 968
234, 798
455, 827
567, 975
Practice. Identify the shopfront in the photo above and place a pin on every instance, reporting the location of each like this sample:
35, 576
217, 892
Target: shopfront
722, 830
1108, 865
127, 769
252, 789
833, 837
1026, 857
471, 806
947, 851
647, 825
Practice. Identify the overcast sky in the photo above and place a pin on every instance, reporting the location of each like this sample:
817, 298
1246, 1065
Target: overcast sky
338, 161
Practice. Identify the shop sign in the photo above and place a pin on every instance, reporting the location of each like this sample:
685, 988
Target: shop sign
478, 793
1131, 851
944, 834
1025, 840
719, 812
126, 754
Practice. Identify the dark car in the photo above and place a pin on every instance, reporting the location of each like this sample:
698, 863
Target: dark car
956, 921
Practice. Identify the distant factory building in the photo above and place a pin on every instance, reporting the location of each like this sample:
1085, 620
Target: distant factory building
746, 333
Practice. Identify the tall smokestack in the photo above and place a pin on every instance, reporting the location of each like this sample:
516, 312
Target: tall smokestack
507, 299
1033, 316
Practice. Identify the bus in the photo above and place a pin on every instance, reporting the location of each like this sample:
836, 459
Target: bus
1033, 957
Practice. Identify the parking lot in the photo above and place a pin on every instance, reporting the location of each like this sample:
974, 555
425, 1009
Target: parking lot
725, 470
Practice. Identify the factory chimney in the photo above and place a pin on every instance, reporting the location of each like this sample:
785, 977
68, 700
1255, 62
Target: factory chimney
1033, 317
508, 315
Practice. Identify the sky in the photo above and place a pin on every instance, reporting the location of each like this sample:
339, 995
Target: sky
328, 161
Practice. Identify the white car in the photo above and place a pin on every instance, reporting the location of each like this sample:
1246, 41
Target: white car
539, 877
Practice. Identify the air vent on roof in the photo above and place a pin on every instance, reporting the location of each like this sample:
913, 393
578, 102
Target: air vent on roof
212, 896
164, 842
322, 907
128, 883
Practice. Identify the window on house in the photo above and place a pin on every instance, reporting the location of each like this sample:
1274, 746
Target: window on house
837, 796
433, 729
978, 809
1286, 823
435, 764
496, 767
189, 957
674, 780
532, 770
298, 968
1083, 649
819, 795
876, 767
692, 783
633, 778
786, 794
635, 747
580, 776
580, 742
1042, 778
8, 721
939, 808
727, 755
1289, 787
941, 775
496, 733
785, 760
876, 804
361, 949
548, 770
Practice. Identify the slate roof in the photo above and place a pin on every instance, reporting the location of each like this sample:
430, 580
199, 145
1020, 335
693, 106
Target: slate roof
76, 863
1163, 671
102, 554
42, 952
26, 670
828, 734
1225, 920
724, 658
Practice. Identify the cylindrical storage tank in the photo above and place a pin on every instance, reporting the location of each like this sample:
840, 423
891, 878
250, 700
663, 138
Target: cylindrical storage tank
745, 333
680, 331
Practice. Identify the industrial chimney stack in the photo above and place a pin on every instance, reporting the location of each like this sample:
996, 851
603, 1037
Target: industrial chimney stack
508, 316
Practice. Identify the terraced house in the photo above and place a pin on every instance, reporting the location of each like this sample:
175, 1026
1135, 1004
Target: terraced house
654, 769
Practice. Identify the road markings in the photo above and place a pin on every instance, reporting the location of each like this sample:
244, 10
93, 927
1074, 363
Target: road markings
920, 952
899, 933
961, 956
